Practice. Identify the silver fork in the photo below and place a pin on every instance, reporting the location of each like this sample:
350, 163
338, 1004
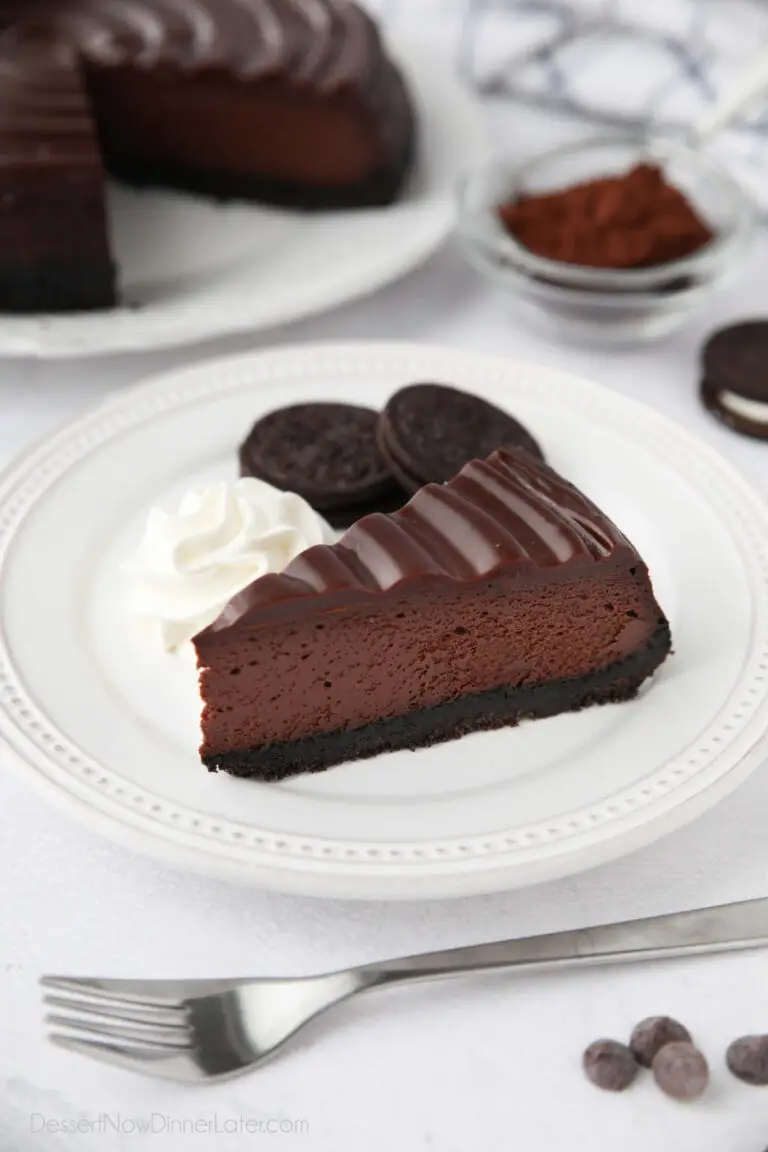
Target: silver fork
201, 1030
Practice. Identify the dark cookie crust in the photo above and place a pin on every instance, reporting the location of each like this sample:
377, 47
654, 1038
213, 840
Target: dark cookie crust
57, 286
327, 453
710, 393
736, 359
428, 432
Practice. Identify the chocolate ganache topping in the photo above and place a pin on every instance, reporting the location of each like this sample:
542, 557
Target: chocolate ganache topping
327, 43
507, 512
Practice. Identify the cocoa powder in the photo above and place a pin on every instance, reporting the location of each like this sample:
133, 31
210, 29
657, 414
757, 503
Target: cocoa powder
635, 220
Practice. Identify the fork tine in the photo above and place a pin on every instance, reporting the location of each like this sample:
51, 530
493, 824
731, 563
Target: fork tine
149, 1014
131, 991
152, 1036
167, 1063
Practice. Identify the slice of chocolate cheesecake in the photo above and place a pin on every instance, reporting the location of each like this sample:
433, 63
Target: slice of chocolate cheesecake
502, 595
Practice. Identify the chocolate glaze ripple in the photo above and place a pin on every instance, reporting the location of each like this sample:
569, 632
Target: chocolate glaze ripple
328, 45
326, 42
507, 512
42, 98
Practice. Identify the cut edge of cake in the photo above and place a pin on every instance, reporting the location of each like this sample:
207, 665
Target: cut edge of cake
55, 251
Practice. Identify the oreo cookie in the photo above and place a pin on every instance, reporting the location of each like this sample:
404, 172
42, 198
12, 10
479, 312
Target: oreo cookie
328, 454
735, 359
734, 386
742, 414
428, 432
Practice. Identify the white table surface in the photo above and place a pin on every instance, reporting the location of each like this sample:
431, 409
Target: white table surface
483, 1064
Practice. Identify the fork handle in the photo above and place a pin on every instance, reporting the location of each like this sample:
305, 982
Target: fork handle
705, 930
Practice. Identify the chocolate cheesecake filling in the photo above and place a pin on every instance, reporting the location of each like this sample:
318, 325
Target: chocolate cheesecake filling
352, 669
501, 707
452, 614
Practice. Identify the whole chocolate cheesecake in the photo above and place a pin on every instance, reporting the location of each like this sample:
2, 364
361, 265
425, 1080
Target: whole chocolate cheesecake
501, 595
291, 102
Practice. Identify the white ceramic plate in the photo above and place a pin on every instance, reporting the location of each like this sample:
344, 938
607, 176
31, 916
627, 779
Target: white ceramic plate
95, 715
195, 270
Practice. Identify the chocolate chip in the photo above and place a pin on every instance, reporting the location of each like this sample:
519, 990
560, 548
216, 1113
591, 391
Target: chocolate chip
747, 1058
610, 1065
681, 1071
652, 1034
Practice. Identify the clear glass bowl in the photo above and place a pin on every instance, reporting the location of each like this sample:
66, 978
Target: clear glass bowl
599, 306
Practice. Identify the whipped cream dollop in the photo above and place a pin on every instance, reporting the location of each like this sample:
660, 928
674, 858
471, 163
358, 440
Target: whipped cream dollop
193, 559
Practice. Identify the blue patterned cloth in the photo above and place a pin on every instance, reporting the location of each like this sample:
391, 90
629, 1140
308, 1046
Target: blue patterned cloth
624, 63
